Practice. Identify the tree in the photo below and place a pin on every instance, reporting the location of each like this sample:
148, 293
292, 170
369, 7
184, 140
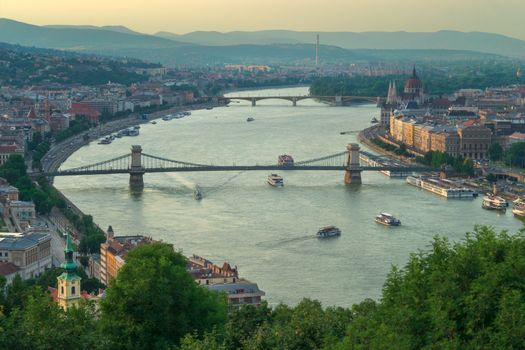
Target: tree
466, 295
515, 155
42, 324
495, 152
153, 302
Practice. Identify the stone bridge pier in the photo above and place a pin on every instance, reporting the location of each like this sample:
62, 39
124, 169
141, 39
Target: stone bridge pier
353, 176
136, 172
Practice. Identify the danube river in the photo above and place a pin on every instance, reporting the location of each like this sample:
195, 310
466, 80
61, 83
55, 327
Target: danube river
269, 233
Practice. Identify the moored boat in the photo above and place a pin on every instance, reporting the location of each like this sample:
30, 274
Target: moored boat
250, 119
493, 202
519, 208
275, 180
328, 232
105, 141
387, 219
374, 120
445, 188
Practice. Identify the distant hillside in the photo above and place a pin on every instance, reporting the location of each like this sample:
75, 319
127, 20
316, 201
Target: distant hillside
73, 38
264, 47
32, 66
119, 29
442, 40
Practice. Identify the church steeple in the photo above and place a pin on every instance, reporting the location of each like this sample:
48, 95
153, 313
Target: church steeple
414, 73
69, 281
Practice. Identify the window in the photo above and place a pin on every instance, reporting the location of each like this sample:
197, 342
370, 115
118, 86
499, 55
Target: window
73, 290
62, 290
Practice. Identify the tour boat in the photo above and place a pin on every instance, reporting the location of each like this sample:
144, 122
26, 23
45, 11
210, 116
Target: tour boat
519, 208
445, 188
197, 194
105, 141
133, 132
275, 180
493, 202
387, 220
328, 232
285, 160
250, 119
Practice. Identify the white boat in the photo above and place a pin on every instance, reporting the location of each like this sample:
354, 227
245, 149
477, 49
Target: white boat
328, 232
275, 180
133, 132
285, 160
167, 117
105, 141
387, 219
519, 208
493, 202
445, 188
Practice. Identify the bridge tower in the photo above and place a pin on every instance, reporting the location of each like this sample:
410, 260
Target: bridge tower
136, 172
294, 101
254, 101
353, 176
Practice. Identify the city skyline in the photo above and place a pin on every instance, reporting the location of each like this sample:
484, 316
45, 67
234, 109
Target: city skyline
232, 15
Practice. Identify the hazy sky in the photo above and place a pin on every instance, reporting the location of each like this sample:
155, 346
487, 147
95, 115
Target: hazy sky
181, 16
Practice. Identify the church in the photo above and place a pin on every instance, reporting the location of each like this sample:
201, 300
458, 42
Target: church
412, 93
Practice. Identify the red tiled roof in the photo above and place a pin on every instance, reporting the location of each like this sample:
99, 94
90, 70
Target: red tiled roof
83, 109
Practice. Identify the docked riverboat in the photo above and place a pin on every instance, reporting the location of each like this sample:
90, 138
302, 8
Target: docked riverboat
275, 180
133, 131
387, 219
493, 202
444, 188
519, 208
285, 160
328, 232
105, 141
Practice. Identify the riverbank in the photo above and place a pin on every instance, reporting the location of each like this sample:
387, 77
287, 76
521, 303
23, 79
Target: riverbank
59, 152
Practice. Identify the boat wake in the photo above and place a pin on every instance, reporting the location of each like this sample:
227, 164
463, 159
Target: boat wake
280, 242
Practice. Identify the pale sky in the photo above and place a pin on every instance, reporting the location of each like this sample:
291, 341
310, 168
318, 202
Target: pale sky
182, 16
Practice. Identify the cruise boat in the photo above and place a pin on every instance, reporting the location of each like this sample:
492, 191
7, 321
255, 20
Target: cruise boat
250, 119
493, 202
275, 180
197, 193
387, 220
328, 232
519, 208
105, 141
133, 132
444, 188
285, 160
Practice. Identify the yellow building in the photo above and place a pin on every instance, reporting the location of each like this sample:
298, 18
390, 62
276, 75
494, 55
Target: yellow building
68, 291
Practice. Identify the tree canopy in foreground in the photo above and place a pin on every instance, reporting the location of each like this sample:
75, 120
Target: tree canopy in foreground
464, 295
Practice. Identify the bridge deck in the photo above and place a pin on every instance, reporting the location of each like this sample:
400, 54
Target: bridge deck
238, 168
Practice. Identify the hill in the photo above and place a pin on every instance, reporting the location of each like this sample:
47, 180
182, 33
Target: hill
441, 40
76, 38
22, 66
